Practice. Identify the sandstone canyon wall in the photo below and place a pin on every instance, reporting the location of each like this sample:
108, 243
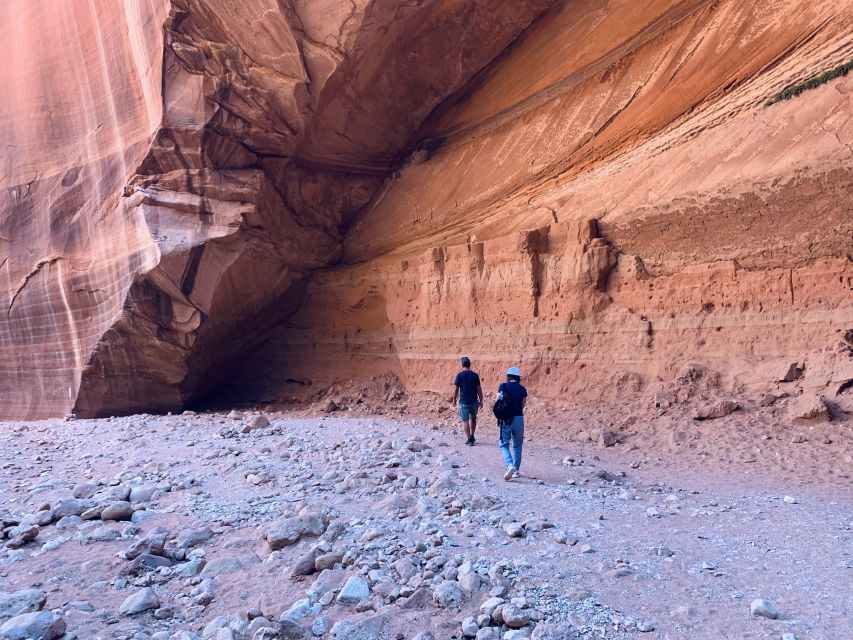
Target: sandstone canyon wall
607, 205
591, 190
174, 172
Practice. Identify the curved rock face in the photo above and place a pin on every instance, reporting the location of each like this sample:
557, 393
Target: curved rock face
81, 101
592, 190
181, 168
727, 226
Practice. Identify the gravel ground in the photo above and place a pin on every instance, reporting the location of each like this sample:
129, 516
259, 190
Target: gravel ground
417, 528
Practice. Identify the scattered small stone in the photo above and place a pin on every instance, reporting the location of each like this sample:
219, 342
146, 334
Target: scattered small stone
119, 510
514, 617
188, 538
23, 601
140, 601
354, 591
448, 595
763, 609
810, 407
256, 422
717, 410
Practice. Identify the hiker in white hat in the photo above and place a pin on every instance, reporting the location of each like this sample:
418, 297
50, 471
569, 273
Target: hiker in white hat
511, 396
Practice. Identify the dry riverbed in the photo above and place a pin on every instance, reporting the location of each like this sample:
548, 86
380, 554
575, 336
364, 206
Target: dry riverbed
264, 526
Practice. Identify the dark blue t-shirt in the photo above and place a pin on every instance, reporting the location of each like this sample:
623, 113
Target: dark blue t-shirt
468, 382
515, 393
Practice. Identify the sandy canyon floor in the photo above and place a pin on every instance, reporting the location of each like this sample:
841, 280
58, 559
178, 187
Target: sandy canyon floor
320, 526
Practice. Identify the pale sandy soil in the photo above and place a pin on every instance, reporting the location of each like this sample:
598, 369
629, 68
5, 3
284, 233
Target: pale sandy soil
716, 502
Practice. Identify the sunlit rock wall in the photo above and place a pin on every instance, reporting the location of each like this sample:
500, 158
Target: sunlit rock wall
727, 226
80, 103
174, 171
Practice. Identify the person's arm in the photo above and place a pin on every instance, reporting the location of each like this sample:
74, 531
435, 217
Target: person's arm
480, 394
523, 402
455, 394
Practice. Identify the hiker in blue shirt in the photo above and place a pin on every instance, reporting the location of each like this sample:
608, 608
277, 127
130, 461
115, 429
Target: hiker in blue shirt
469, 393
513, 430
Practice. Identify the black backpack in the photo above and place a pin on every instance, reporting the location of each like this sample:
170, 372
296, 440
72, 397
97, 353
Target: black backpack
502, 408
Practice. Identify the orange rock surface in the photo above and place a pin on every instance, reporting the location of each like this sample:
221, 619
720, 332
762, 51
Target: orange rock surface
591, 190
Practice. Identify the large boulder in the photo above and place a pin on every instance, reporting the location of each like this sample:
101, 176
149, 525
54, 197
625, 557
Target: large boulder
551, 631
354, 591
193, 537
118, 510
70, 507
140, 601
292, 530
716, 410
42, 625
364, 627
448, 595
23, 601
809, 407
328, 580
152, 543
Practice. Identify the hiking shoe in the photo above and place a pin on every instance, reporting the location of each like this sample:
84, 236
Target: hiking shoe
518, 474
470, 440
510, 472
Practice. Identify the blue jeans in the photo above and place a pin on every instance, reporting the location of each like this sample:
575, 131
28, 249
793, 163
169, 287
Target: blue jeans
513, 431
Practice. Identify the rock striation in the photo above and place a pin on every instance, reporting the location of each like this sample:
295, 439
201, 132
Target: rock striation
594, 191
721, 234
168, 199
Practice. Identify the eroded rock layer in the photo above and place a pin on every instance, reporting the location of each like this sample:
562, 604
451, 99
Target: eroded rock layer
727, 226
197, 164
592, 190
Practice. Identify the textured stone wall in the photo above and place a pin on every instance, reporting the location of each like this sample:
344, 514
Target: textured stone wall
182, 167
194, 195
730, 224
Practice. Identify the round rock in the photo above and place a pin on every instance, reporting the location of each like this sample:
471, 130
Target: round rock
762, 608
514, 617
42, 625
448, 595
140, 601
118, 510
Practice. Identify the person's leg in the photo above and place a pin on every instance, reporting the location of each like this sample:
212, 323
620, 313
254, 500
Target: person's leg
517, 440
465, 417
473, 427
503, 443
